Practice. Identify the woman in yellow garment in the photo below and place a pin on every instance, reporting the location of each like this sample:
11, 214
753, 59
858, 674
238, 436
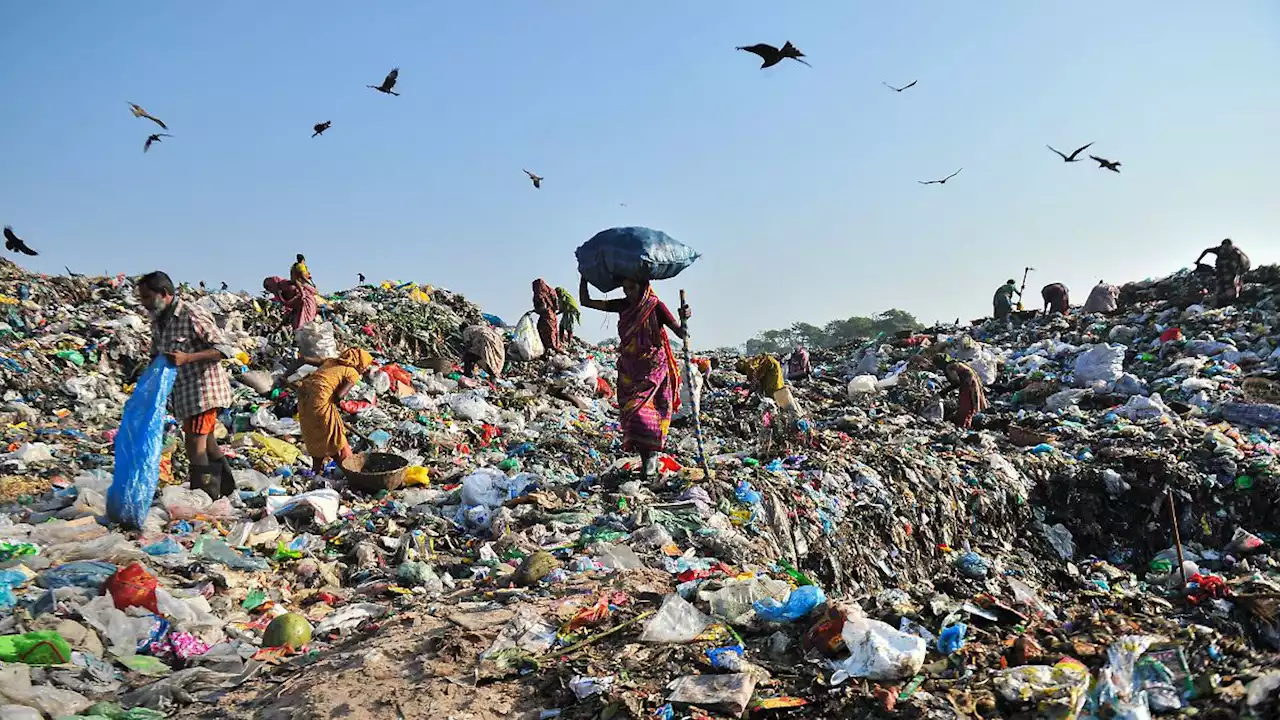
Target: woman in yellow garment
318, 396
763, 372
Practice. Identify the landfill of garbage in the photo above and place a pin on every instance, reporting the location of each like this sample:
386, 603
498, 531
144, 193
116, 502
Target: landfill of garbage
1101, 544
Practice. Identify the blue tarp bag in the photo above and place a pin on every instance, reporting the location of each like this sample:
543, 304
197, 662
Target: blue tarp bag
138, 445
637, 253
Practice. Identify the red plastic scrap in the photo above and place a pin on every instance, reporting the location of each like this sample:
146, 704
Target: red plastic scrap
132, 586
1203, 587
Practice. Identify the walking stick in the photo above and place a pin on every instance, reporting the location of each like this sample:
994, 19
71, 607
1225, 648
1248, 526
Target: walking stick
688, 369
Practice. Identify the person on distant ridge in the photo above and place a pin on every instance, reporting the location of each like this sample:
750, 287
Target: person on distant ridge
1056, 299
1002, 302
1230, 267
1102, 299
299, 273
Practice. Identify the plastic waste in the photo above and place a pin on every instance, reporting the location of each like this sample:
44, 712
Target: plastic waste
972, 565
138, 445
952, 638
877, 651
470, 406
737, 597
41, 647
527, 344
1118, 687
323, 503
527, 631
213, 548
1060, 538
91, 574
133, 586
799, 604
677, 621
16, 688
619, 557
1056, 691
727, 693
636, 253
316, 339
861, 385
261, 382
1103, 363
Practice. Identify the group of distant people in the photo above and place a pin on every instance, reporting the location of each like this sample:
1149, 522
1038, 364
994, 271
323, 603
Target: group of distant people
1229, 270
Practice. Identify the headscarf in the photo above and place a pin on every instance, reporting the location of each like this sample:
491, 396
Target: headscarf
544, 298
568, 305
354, 357
274, 284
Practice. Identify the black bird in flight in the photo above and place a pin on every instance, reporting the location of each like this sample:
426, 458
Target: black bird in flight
388, 83
321, 127
1072, 157
535, 179
943, 181
139, 112
153, 139
1113, 166
772, 55
899, 89
13, 243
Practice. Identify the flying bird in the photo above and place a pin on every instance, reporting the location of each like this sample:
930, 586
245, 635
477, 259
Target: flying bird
536, 179
772, 55
13, 243
321, 127
1072, 157
899, 89
153, 139
1112, 165
139, 112
388, 83
943, 181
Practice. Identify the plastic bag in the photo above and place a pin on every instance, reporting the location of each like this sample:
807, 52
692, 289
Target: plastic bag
879, 652
527, 344
316, 339
261, 382
1102, 363
1057, 691
861, 384
133, 586
470, 406
799, 603
138, 445
485, 486
675, 622
636, 253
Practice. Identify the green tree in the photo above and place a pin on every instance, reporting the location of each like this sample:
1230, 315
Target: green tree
837, 332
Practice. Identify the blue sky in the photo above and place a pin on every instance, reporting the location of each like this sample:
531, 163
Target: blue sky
797, 184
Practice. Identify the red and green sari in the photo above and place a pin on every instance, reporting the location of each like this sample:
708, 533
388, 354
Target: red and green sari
647, 375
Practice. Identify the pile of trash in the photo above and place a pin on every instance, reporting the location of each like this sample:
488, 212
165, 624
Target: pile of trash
1101, 544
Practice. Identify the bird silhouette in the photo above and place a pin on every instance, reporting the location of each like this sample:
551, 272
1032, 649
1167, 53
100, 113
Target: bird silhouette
72, 274
224, 287
202, 287
536, 179
388, 83
153, 139
772, 55
1072, 157
321, 127
13, 243
1113, 166
943, 181
139, 112
361, 276
899, 89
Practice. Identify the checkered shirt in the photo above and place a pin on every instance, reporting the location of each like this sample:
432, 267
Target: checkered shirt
200, 386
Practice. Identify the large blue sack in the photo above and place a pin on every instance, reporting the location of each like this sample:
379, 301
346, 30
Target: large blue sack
138, 445
636, 253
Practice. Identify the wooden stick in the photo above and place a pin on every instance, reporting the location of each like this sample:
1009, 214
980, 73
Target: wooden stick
688, 369
1177, 536
595, 638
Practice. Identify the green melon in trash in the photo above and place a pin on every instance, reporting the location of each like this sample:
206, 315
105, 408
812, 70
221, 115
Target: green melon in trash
289, 630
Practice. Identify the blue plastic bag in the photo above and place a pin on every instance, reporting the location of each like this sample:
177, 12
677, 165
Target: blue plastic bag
952, 638
636, 253
799, 603
138, 445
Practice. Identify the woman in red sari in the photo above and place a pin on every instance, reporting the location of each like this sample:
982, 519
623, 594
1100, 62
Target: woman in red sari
299, 300
648, 376
546, 304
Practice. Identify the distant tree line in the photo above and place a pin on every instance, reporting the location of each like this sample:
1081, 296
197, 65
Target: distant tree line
836, 332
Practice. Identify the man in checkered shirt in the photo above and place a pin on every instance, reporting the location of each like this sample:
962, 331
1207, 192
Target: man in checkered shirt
189, 338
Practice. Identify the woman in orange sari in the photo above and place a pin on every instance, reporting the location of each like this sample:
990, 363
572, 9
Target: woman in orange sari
318, 396
648, 376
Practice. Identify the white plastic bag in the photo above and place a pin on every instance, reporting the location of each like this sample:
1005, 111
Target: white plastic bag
861, 384
878, 651
470, 406
316, 339
1143, 408
1103, 363
527, 344
485, 486
675, 622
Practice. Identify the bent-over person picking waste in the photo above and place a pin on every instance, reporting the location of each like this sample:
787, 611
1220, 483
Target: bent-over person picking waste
188, 337
319, 393
648, 375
